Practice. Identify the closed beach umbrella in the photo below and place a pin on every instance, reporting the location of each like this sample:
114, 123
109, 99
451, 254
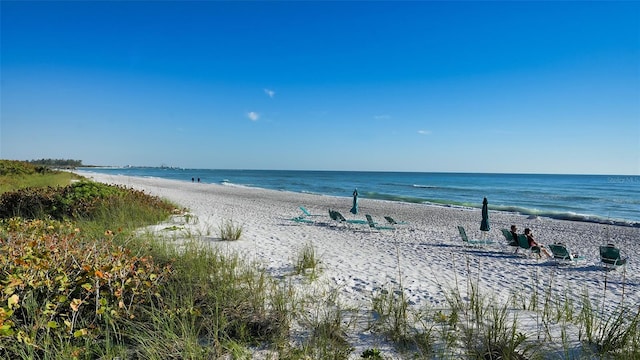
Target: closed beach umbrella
354, 208
484, 225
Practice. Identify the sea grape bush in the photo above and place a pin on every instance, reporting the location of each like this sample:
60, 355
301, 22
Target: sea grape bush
13, 167
76, 285
78, 200
43, 166
30, 203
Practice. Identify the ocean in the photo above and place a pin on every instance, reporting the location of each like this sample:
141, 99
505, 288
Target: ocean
607, 199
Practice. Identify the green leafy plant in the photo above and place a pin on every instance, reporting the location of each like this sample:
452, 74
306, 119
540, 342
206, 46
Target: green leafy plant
371, 354
55, 282
14, 167
81, 200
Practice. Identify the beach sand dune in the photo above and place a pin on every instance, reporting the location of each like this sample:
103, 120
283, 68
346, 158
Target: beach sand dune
426, 256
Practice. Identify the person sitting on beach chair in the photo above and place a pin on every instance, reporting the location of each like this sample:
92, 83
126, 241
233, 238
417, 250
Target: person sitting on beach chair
533, 244
514, 235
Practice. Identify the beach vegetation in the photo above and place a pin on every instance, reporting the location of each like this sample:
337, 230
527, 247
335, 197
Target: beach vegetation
62, 291
89, 285
373, 354
190, 218
326, 323
173, 228
487, 329
59, 163
329, 340
616, 333
17, 169
16, 175
391, 315
228, 230
307, 262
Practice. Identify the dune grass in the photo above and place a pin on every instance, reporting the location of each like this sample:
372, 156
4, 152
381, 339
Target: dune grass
229, 230
307, 262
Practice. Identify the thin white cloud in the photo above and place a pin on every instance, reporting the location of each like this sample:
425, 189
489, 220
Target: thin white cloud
382, 117
424, 132
270, 93
253, 116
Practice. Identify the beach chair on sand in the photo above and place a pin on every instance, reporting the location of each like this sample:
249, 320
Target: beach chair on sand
306, 212
375, 226
561, 253
391, 221
334, 216
610, 257
467, 241
510, 240
524, 244
301, 219
337, 216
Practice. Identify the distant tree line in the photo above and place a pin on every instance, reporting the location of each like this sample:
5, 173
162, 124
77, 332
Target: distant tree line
61, 163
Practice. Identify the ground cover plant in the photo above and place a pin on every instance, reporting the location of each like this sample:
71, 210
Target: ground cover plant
61, 290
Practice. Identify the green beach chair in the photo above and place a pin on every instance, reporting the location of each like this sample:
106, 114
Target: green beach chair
610, 257
338, 217
507, 235
467, 241
301, 219
524, 244
561, 253
510, 240
391, 221
334, 216
306, 212
375, 226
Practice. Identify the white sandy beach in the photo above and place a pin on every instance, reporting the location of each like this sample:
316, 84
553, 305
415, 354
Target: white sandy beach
426, 255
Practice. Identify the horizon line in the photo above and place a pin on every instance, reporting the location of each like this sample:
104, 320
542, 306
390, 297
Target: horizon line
364, 171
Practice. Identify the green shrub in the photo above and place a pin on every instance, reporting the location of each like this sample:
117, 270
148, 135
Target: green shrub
59, 286
371, 354
31, 203
13, 167
82, 201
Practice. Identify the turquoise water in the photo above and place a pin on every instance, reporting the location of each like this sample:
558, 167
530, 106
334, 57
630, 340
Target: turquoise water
595, 198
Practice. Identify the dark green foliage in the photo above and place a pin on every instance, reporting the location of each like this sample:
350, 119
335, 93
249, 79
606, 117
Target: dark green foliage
12, 167
65, 163
76, 201
60, 286
81, 199
30, 203
371, 354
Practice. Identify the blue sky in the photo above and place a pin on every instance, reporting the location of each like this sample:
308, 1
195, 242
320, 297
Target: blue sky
531, 87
